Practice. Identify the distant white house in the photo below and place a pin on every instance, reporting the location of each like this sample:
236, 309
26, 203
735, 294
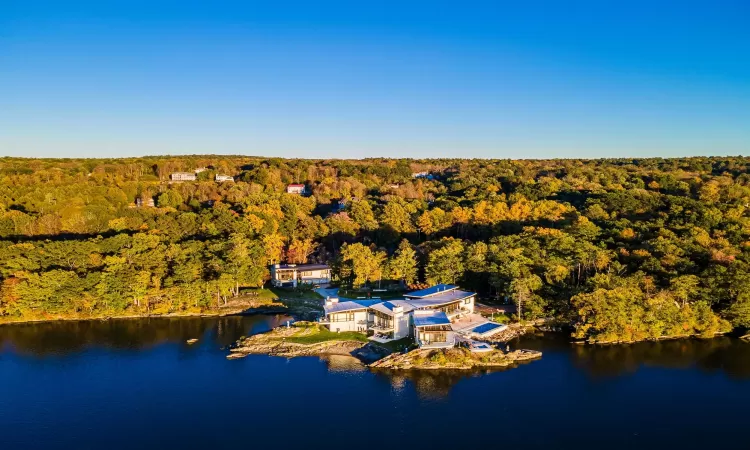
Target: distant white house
221, 178
183, 176
294, 274
428, 315
299, 189
423, 174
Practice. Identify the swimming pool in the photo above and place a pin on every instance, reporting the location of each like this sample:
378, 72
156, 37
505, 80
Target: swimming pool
485, 328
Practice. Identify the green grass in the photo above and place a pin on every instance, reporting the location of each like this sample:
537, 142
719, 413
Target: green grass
499, 317
265, 295
295, 294
309, 336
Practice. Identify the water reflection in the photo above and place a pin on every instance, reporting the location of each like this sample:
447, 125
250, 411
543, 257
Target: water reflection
66, 337
431, 384
344, 363
722, 354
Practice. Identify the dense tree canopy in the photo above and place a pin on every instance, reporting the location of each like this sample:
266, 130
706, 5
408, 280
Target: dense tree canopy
621, 249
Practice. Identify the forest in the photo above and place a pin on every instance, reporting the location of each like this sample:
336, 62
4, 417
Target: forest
619, 249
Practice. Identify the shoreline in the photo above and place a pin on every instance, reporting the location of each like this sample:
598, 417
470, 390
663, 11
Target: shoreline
310, 339
515, 330
234, 312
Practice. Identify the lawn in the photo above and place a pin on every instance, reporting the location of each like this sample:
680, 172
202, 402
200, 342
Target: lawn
314, 334
294, 294
261, 295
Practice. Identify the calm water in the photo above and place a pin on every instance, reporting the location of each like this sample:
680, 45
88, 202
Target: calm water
136, 384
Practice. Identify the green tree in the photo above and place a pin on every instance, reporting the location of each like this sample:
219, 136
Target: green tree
403, 265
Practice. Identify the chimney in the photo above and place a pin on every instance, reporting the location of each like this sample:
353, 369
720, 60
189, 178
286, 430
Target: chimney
398, 309
331, 300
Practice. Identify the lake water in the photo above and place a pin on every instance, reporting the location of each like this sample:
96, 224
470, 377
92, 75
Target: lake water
136, 384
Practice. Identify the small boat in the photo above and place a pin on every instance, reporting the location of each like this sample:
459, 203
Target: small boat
192, 341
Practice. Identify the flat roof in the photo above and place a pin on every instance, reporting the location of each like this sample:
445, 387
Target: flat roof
303, 266
430, 318
440, 299
350, 305
432, 290
387, 306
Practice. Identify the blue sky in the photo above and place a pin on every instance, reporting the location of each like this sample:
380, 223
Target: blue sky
531, 79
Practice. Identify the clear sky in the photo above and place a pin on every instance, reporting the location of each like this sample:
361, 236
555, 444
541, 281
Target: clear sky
353, 79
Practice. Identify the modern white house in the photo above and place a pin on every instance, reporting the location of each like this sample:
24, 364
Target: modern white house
294, 274
222, 178
431, 316
350, 315
432, 329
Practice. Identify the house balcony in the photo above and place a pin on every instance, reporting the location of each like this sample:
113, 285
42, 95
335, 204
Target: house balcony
457, 312
379, 328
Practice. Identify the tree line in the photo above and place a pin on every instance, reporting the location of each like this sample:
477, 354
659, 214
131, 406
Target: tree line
620, 249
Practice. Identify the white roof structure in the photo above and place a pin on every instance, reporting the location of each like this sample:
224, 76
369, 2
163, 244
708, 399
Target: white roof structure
440, 299
388, 306
436, 296
430, 318
350, 305
432, 290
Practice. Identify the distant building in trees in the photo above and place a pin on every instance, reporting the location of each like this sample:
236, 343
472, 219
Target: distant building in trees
294, 274
147, 202
183, 176
222, 178
299, 189
424, 174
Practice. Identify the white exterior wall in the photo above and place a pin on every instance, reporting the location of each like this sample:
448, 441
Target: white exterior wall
470, 306
401, 326
358, 324
316, 276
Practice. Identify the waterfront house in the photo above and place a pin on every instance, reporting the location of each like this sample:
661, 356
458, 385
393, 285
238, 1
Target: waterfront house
183, 176
432, 329
298, 189
350, 315
294, 274
432, 317
390, 320
448, 298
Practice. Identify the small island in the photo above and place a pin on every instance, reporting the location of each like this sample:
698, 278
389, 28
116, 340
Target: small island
312, 339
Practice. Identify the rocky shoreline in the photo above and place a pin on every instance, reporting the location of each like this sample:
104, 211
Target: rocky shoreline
309, 339
454, 359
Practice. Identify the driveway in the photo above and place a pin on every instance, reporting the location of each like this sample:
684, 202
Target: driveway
328, 292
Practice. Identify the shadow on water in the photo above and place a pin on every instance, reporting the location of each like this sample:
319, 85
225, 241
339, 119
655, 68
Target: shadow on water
67, 337
727, 355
